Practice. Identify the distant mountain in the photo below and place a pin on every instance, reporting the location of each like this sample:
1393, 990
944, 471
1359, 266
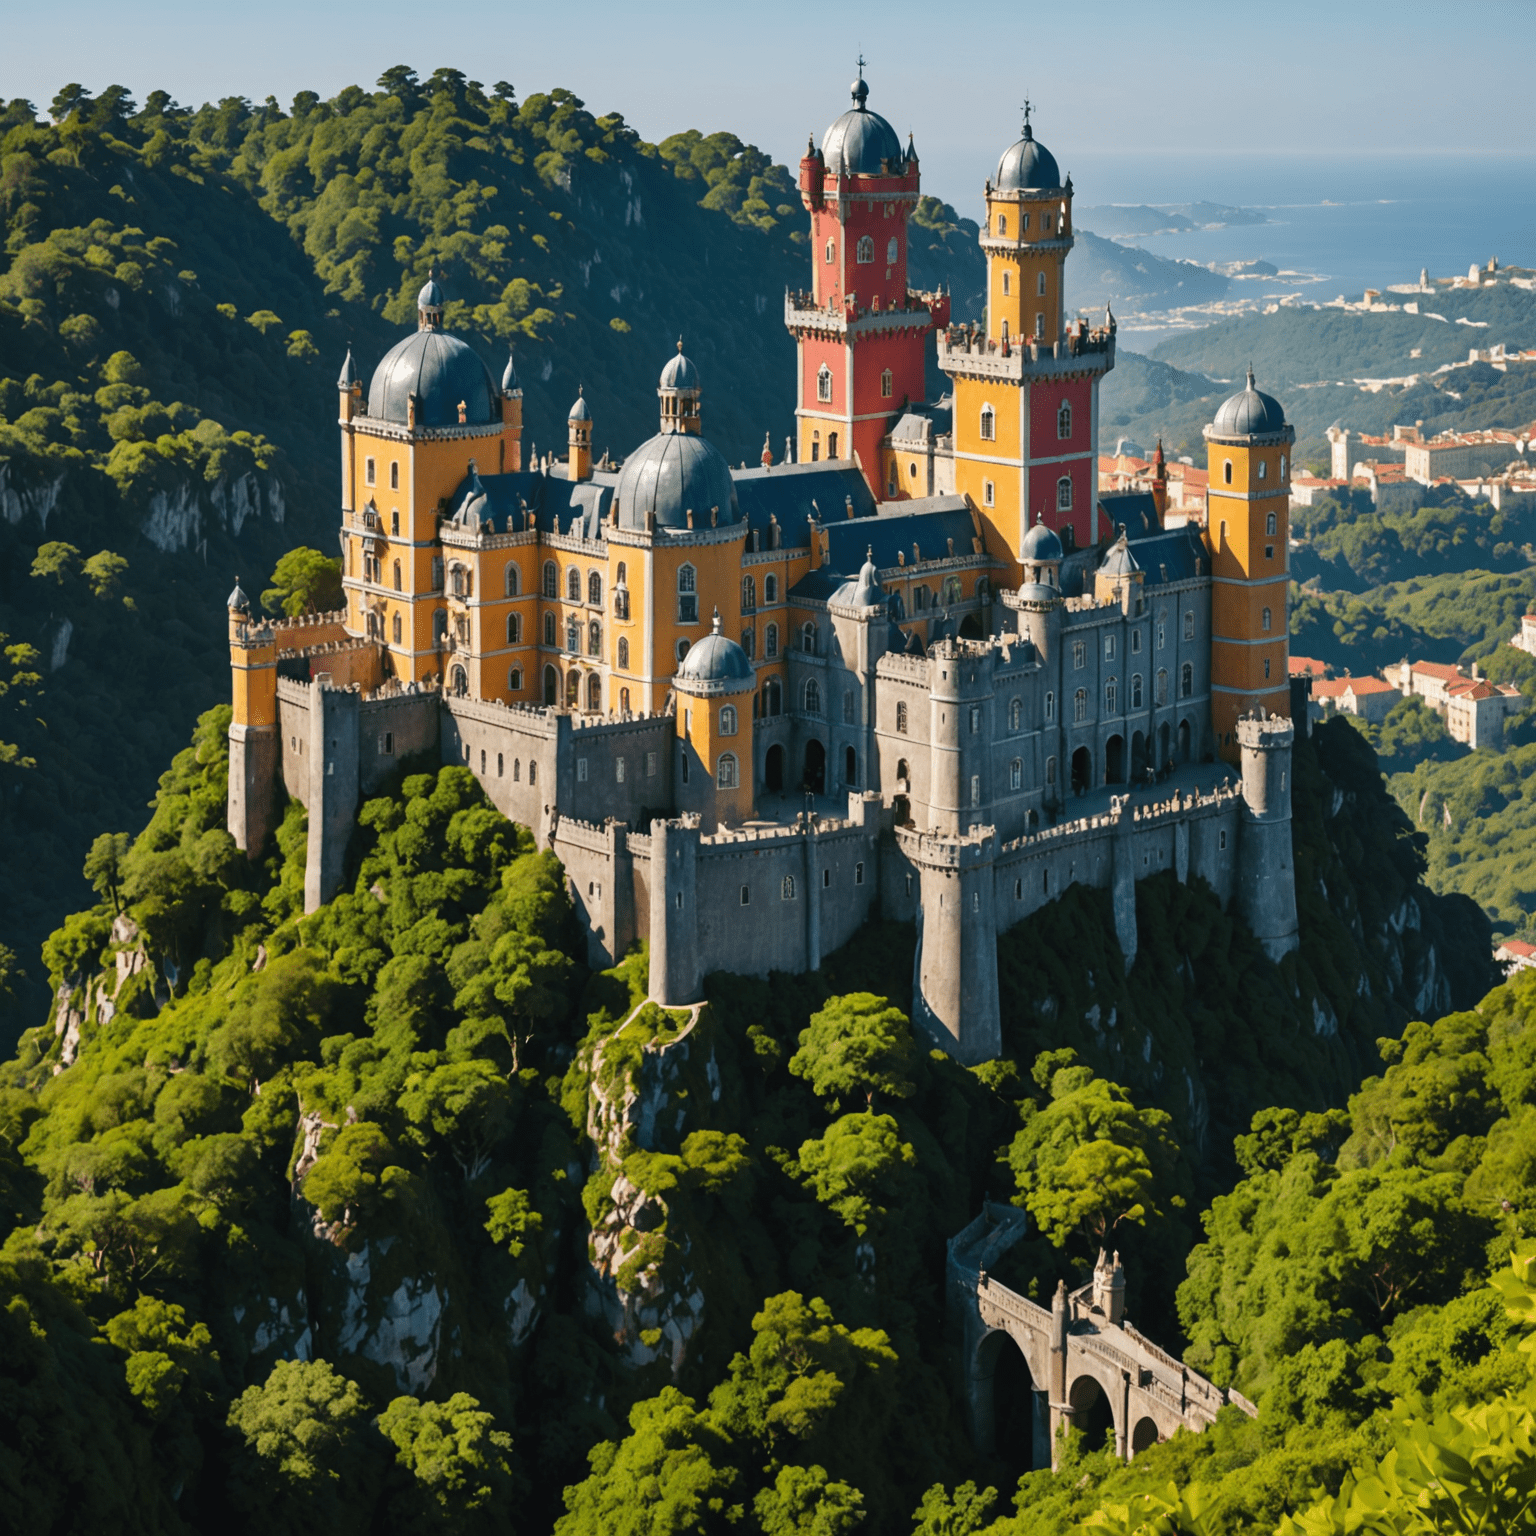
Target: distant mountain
1122, 220
1102, 271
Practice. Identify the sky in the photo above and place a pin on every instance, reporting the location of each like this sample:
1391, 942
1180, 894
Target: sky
1134, 99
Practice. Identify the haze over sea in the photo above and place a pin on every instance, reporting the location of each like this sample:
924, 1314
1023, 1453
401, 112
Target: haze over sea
1353, 222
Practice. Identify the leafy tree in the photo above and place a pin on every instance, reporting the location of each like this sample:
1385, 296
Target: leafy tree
857, 1044
105, 572
164, 1353
467, 1104
1413, 733
512, 1220
345, 1182
304, 1451
457, 1465
103, 865
56, 562
1088, 1159
804, 1501
854, 1165
304, 580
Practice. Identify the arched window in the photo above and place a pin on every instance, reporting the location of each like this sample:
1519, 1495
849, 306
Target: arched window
398, 587
1282, 466
816, 436
514, 629
1002, 223
573, 634
901, 722
1136, 691
458, 581
727, 773
573, 689
551, 697
983, 589
921, 597
439, 625
1112, 696
1040, 327
396, 628
623, 653
594, 638
1186, 680
831, 251
1016, 774
1160, 695
865, 251
1080, 705
749, 642
808, 637
773, 697
951, 590
812, 697
624, 700
460, 684
891, 251
515, 680
887, 384
727, 719
748, 594
1064, 494
1050, 704
551, 579
824, 383
572, 584
1271, 524
787, 888
394, 523
1040, 285
1015, 714
771, 641
988, 424
1226, 471
549, 629
831, 445
621, 602
1263, 470
394, 474
770, 589
848, 706
687, 595
595, 588
1265, 619
1064, 420
595, 693
683, 647
1007, 287
514, 584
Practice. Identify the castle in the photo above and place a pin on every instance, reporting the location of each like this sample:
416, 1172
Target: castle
668, 669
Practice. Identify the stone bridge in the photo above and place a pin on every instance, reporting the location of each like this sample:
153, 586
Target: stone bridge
1078, 1351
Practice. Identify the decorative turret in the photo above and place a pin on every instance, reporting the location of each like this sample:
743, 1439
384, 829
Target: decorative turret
511, 416
1160, 482
1119, 577
1109, 1288
680, 394
714, 688
429, 304
350, 387
579, 461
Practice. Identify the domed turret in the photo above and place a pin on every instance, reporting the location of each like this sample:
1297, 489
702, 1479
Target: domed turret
237, 601
864, 590
680, 393
439, 373
429, 304
861, 142
579, 460
1027, 166
716, 663
1249, 413
681, 478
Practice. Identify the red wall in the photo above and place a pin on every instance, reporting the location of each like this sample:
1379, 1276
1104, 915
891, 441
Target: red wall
1044, 401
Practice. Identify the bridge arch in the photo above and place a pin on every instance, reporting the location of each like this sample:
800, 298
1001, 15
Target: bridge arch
1010, 1403
1097, 1399
1144, 1436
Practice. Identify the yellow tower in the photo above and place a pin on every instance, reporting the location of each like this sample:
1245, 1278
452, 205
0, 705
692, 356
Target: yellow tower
714, 688
578, 464
1246, 532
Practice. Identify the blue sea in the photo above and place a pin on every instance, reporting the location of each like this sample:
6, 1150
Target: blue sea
1349, 223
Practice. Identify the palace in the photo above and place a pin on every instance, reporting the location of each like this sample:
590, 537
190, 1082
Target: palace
926, 671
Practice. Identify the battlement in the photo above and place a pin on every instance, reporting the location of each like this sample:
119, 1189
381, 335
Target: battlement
969, 350
498, 711
1265, 733
912, 669
590, 835
946, 850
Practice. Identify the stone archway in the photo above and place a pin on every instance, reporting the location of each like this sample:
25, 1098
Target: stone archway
1162, 745
1143, 1436
459, 682
1184, 742
1138, 758
1094, 1413
773, 770
551, 687
815, 777
970, 627
1082, 771
1114, 760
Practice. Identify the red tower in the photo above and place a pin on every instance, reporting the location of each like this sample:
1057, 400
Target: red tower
861, 333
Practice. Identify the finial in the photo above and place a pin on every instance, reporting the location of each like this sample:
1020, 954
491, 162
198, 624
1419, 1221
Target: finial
679, 346
860, 89
714, 627
1250, 375
1029, 132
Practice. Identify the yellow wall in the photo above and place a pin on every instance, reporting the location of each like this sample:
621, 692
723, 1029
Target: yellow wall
698, 725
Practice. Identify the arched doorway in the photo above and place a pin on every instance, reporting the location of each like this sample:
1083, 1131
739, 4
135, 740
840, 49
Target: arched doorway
1183, 741
815, 776
1138, 758
1020, 1433
1114, 760
460, 682
573, 689
1082, 771
551, 687
850, 767
1144, 1435
773, 771
901, 809
970, 627
595, 693
773, 697
1092, 1415
1162, 745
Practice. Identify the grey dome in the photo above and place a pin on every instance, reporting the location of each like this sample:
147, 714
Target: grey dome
716, 659
580, 411
860, 139
679, 372
476, 504
1249, 413
431, 295
440, 370
1119, 561
1027, 167
1040, 545
864, 590
671, 474
1037, 592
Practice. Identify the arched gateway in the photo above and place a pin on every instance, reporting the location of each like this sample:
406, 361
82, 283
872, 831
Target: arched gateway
1082, 1357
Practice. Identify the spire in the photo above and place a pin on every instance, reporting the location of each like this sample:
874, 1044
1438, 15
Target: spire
911, 148
1029, 132
714, 625
348, 377
1250, 376
509, 380
860, 89
238, 602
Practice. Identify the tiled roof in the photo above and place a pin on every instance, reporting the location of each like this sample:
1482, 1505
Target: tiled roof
1305, 666
1439, 669
1330, 687
794, 493
555, 503
1360, 686
930, 523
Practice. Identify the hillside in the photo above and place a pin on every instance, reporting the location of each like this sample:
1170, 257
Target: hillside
394, 1217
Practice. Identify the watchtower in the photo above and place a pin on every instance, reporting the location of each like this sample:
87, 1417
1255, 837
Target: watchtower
1266, 877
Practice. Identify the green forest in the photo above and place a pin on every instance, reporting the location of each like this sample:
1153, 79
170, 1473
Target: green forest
396, 1216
